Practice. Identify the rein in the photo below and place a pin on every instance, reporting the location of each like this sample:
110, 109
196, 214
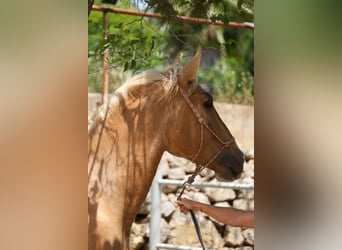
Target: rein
200, 167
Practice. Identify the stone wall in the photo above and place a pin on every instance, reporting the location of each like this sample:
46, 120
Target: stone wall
177, 228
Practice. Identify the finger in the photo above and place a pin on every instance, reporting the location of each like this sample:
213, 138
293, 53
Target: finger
184, 210
180, 203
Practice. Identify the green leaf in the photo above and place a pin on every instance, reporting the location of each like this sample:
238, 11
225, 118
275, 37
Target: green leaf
213, 18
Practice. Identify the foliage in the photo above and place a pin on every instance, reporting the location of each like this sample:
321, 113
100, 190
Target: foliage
229, 82
136, 43
132, 44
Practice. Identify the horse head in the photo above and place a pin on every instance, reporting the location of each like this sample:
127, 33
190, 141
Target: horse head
195, 130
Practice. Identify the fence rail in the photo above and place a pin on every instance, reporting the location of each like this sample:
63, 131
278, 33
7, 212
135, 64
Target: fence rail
234, 185
155, 206
175, 247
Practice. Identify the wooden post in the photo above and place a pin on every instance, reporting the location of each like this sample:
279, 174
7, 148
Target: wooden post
105, 61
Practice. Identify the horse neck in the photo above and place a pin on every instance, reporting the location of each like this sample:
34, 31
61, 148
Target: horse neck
141, 140
126, 162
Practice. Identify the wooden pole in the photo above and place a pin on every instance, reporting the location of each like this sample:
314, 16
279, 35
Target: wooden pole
105, 60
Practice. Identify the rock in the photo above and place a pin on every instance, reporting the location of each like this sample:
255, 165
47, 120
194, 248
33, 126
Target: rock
233, 236
172, 197
249, 154
163, 166
200, 197
242, 248
146, 206
136, 242
243, 204
248, 234
138, 235
163, 197
219, 194
167, 208
248, 170
140, 229
207, 174
248, 180
240, 204
246, 194
176, 174
222, 204
167, 189
183, 232
178, 162
251, 205
164, 230
178, 218
188, 167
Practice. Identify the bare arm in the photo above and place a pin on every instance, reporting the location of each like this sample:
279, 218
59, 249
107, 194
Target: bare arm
226, 215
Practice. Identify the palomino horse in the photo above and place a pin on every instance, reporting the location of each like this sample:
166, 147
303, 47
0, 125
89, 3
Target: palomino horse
153, 112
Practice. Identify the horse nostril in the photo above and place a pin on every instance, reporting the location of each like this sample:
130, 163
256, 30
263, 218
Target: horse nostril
242, 157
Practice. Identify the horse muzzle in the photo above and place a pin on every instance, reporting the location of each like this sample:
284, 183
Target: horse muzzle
229, 167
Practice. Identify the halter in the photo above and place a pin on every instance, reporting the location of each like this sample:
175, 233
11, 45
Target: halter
224, 144
200, 167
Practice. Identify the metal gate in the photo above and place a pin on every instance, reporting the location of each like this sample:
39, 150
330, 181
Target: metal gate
155, 207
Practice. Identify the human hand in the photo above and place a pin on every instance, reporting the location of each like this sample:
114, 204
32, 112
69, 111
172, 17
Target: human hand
185, 205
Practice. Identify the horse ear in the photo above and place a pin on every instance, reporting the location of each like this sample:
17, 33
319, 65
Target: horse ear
188, 74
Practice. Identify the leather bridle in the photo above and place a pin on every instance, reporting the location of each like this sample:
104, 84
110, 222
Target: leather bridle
200, 167
224, 144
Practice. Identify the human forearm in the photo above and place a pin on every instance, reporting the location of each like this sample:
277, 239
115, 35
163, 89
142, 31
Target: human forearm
227, 215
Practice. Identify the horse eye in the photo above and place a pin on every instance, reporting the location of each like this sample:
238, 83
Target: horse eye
208, 104
190, 82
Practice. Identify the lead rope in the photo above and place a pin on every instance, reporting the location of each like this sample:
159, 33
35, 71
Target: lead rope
186, 184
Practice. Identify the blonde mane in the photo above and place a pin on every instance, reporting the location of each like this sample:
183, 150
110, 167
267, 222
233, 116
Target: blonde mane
168, 77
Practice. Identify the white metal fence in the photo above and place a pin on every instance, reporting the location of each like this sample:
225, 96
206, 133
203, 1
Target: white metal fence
155, 207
